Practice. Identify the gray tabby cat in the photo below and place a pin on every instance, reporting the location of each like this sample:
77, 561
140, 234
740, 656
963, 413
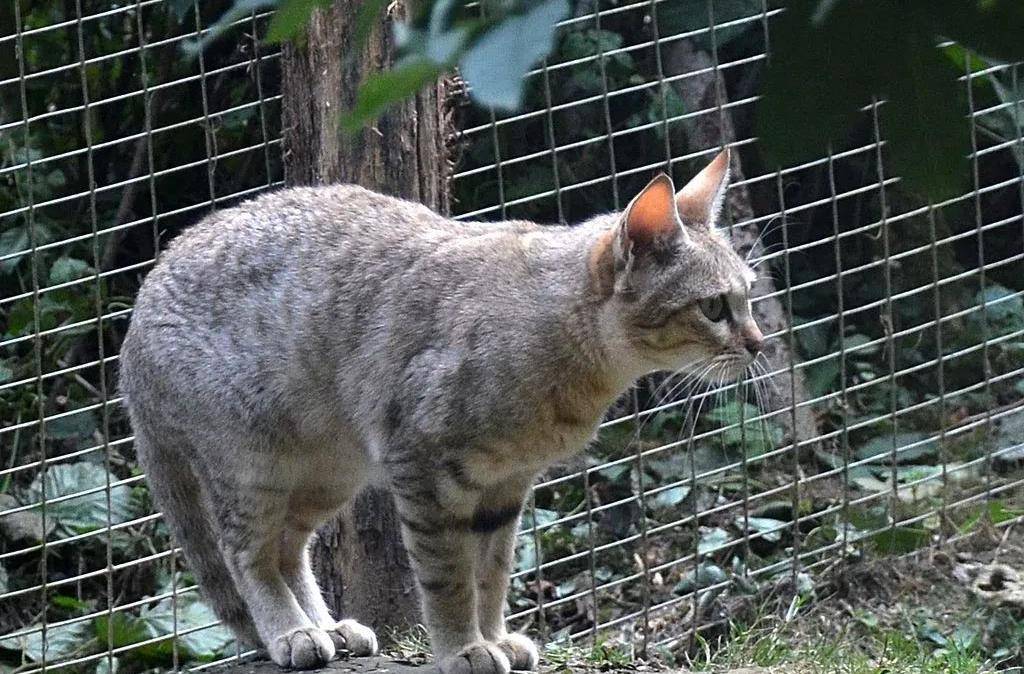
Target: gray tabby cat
288, 351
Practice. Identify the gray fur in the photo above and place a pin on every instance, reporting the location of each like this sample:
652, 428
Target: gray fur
287, 351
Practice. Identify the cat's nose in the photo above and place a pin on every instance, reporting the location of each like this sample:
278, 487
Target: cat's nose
753, 340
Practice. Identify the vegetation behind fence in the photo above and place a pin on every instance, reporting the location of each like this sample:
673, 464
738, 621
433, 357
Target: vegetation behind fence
888, 419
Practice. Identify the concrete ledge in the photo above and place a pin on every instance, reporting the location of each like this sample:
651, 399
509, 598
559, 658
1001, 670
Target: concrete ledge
378, 664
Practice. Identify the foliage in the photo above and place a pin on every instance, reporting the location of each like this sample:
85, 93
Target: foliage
494, 48
896, 466
90, 478
829, 58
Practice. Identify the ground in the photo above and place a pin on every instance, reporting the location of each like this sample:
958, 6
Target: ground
954, 609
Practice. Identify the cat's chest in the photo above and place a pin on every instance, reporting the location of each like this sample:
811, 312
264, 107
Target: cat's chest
546, 439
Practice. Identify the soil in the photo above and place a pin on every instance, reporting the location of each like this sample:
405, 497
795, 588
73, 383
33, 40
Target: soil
890, 593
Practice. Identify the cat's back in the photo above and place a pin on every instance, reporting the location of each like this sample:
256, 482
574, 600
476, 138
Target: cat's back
296, 221
237, 285
279, 243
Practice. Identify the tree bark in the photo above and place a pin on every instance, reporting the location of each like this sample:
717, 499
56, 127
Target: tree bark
359, 559
707, 90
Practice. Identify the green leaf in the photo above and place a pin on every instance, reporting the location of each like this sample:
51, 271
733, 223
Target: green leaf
767, 528
79, 425
69, 603
999, 512
990, 27
707, 574
816, 80
542, 516
497, 62
900, 540
868, 482
186, 612
859, 346
192, 613
820, 537
814, 340
1002, 306
754, 437
614, 472
386, 88
925, 122
66, 269
929, 630
670, 497
87, 512
238, 10
821, 377
14, 240
826, 65
713, 540
880, 449
124, 629
61, 641
291, 18
6, 371
108, 666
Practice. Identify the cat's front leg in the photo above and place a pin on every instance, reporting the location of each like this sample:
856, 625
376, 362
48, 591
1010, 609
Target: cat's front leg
497, 536
443, 551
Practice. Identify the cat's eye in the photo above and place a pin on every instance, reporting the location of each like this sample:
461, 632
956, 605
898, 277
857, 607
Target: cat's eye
713, 308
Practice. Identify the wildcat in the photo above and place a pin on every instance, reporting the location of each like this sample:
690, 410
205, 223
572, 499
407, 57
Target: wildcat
287, 351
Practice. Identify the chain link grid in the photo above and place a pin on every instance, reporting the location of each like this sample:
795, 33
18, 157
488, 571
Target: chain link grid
916, 398
112, 139
680, 504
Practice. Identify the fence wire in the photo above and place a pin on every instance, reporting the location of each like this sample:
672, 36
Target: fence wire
887, 418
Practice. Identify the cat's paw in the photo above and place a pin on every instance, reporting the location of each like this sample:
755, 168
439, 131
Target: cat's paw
477, 658
521, 652
302, 648
357, 639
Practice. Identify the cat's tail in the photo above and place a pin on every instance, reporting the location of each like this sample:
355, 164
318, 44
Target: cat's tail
175, 489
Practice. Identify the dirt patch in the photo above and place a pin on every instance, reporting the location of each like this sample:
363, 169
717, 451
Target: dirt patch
937, 595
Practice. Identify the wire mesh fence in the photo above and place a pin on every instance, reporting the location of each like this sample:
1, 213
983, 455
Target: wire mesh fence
111, 139
886, 418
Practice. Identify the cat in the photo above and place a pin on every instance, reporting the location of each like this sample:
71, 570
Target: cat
285, 352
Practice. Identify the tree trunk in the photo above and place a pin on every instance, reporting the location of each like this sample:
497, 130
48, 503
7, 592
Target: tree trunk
707, 90
359, 559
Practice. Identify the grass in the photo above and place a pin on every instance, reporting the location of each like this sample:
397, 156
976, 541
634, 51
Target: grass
881, 651
913, 614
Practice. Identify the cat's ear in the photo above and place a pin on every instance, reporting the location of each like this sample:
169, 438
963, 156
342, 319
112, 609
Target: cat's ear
700, 201
651, 217
648, 229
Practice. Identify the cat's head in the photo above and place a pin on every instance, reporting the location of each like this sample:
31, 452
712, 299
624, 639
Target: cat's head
677, 294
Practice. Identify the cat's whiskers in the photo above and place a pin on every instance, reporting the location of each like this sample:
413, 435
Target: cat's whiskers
761, 235
757, 369
700, 391
693, 374
689, 377
686, 370
767, 378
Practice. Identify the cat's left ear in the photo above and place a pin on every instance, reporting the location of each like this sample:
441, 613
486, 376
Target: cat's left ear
700, 202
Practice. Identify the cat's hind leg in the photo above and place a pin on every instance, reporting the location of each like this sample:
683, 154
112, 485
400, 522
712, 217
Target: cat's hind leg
175, 489
251, 517
346, 634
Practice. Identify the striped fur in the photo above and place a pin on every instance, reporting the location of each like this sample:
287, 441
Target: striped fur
286, 352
